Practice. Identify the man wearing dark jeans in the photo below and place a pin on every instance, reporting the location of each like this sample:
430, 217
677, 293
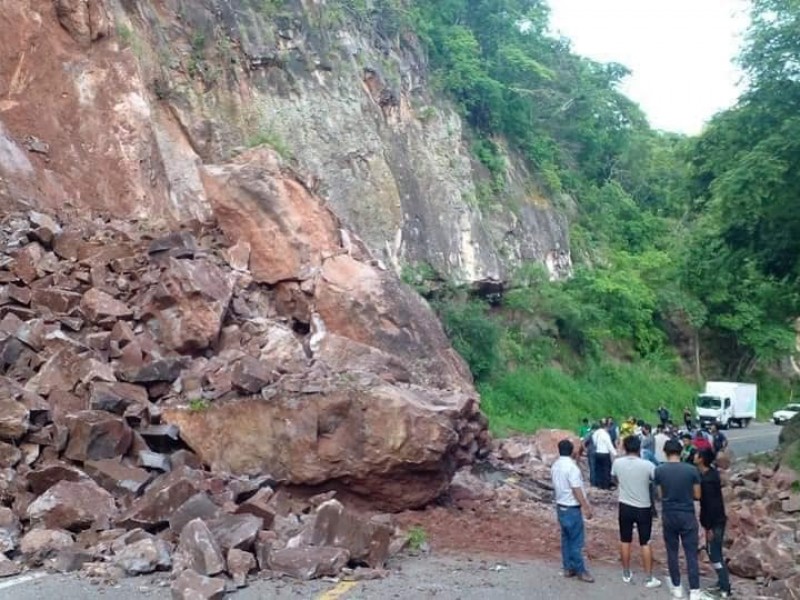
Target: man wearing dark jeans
571, 508
712, 518
679, 483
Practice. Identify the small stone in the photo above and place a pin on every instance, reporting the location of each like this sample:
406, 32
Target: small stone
8, 567
240, 564
95, 435
9, 530
98, 306
144, 556
308, 563
198, 506
236, 531
191, 586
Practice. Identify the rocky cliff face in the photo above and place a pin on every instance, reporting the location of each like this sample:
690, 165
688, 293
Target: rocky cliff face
116, 105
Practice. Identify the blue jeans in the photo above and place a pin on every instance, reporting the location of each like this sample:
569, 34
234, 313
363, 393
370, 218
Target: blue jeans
571, 522
715, 554
680, 528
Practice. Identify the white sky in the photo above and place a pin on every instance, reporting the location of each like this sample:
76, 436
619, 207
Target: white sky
680, 52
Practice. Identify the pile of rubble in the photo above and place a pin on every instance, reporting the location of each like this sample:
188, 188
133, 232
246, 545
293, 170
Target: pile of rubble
763, 508
161, 410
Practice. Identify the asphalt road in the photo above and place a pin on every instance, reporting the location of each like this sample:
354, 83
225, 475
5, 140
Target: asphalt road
759, 437
442, 578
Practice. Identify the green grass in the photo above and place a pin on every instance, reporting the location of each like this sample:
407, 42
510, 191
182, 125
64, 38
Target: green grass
527, 400
417, 536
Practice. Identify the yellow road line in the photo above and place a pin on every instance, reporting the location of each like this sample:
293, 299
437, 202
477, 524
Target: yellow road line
338, 591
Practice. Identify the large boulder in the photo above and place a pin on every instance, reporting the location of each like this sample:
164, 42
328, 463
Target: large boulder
396, 445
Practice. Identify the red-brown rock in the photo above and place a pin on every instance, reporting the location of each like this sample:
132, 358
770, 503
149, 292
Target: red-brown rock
189, 304
308, 563
97, 306
198, 550
9, 455
41, 542
235, 531
42, 479
240, 565
162, 498
55, 300
117, 397
14, 421
198, 506
117, 477
365, 540
95, 435
259, 506
144, 556
251, 375
73, 506
192, 586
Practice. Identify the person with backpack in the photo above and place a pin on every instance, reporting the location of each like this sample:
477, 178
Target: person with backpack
591, 455
679, 484
712, 519
663, 415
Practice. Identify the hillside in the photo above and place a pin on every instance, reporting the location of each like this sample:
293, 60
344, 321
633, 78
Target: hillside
565, 244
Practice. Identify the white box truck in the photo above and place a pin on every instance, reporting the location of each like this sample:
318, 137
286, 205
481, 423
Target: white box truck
727, 403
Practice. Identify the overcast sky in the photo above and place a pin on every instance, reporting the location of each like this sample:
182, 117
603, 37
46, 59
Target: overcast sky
680, 52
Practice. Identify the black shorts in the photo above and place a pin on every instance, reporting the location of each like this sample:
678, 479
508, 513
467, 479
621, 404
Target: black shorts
630, 516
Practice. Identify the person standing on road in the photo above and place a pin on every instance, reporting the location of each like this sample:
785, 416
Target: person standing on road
604, 452
635, 477
571, 507
712, 518
718, 439
679, 483
663, 415
648, 443
660, 439
588, 446
687, 418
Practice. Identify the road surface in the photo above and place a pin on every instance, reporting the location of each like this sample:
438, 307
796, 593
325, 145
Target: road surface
759, 437
439, 577
434, 577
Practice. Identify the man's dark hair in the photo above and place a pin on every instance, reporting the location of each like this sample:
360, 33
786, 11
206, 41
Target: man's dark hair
565, 448
707, 456
632, 444
672, 447
686, 436
586, 421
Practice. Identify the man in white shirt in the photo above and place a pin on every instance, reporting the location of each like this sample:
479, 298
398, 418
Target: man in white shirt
660, 439
571, 507
604, 454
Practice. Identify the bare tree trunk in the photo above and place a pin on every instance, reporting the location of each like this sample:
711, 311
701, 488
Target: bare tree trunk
698, 373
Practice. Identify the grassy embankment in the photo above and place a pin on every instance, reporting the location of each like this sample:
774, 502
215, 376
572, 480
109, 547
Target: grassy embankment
524, 401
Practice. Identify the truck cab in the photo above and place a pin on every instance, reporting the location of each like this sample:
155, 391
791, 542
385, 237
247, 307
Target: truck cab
713, 409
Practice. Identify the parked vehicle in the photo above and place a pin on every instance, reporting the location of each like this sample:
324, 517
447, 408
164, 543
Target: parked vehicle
785, 414
727, 403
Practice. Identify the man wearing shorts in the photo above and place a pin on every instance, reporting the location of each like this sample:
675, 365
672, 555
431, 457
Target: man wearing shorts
635, 476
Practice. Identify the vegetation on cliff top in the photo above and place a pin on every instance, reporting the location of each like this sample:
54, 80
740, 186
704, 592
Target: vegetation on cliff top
686, 250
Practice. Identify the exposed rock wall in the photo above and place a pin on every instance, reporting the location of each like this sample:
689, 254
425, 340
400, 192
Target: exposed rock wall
115, 105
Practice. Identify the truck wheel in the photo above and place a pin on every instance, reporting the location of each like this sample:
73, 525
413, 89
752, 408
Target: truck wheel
747, 422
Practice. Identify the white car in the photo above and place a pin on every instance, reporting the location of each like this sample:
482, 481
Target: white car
785, 414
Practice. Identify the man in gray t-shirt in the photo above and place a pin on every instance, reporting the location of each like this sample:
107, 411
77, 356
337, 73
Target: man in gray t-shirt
634, 477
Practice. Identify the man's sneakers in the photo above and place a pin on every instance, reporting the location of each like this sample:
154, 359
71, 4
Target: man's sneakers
627, 576
567, 573
652, 582
586, 577
700, 595
676, 591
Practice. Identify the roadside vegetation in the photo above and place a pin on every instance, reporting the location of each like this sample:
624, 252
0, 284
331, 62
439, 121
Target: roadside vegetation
685, 249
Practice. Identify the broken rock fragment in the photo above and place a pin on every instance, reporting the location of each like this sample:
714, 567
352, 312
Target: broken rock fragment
240, 565
198, 506
95, 435
366, 541
117, 477
9, 530
41, 542
73, 506
14, 421
198, 550
97, 306
235, 531
192, 586
144, 556
308, 563
162, 498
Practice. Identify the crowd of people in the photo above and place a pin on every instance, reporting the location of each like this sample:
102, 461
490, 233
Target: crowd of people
677, 465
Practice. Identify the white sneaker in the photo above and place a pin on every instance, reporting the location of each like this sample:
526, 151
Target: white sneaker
652, 582
700, 595
627, 577
676, 591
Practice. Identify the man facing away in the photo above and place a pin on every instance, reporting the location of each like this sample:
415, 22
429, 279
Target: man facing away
604, 452
663, 415
571, 508
660, 439
635, 476
712, 518
679, 483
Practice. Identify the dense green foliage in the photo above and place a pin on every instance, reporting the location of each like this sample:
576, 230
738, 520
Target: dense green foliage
687, 250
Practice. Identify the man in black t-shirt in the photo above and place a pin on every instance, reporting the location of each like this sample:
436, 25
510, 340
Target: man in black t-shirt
712, 517
679, 483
